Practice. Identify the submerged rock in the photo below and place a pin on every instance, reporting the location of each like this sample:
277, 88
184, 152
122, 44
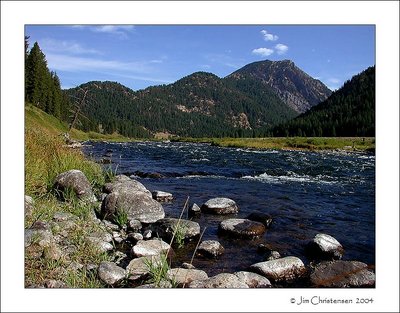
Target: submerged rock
284, 269
253, 280
338, 274
183, 276
324, 247
76, 181
165, 228
150, 247
210, 248
264, 218
162, 196
110, 273
220, 206
223, 280
242, 228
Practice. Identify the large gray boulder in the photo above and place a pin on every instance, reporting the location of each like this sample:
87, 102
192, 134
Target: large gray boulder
284, 269
124, 184
223, 280
244, 228
150, 247
165, 228
220, 206
338, 274
138, 205
76, 181
183, 276
325, 247
110, 273
210, 248
253, 280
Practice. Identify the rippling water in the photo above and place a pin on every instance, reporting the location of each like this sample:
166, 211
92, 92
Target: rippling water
305, 192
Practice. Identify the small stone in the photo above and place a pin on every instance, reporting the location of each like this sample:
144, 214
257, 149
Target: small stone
75, 266
64, 216
99, 244
324, 247
110, 273
139, 268
220, 206
53, 252
188, 266
194, 210
273, 255
162, 196
183, 276
253, 280
135, 237
150, 247
52, 283
242, 228
223, 280
166, 227
135, 225
147, 234
110, 226
210, 248
29, 205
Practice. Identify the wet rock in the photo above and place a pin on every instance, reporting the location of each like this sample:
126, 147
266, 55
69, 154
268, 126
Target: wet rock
99, 244
76, 181
284, 269
264, 247
338, 274
140, 267
242, 228
223, 280
183, 276
324, 247
194, 210
253, 280
165, 228
220, 206
135, 225
150, 247
162, 196
52, 283
137, 204
29, 204
110, 273
264, 218
123, 185
273, 255
210, 248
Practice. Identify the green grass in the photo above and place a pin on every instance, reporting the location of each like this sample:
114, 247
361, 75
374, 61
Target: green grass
296, 143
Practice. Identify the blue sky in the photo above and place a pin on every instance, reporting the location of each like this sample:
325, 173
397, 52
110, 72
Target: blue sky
139, 56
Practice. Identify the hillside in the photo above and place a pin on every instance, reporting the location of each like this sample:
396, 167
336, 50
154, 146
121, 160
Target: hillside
349, 111
247, 102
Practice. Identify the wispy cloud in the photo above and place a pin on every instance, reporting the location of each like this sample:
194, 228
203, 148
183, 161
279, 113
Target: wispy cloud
225, 60
264, 52
333, 83
121, 31
269, 37
281, 48
65, 46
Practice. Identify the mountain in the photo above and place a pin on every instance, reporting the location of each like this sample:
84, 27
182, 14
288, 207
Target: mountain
203, 104
293, 86
349, 111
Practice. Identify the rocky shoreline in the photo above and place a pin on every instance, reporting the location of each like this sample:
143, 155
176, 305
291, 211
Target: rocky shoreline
127, 214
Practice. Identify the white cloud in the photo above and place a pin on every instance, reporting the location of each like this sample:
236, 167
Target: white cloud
121, 31
262, 52
281, 48
65, 46
269, 37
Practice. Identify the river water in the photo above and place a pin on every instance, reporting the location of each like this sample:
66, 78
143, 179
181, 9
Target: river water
305, 193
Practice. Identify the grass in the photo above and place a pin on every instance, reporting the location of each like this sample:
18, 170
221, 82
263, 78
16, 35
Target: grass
158, 271
121, 218
296, 143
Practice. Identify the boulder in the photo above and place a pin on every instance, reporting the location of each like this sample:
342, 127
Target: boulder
242, 228
338, 274
183, 276
284, 269
194, 210
165, 228
162, 196
324, 247
29, 204
220, 206
76, 181
110, 273
150, 247
264, 218
253, 280
138, 205
223, 280
210, 248
139, 268
124, 184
